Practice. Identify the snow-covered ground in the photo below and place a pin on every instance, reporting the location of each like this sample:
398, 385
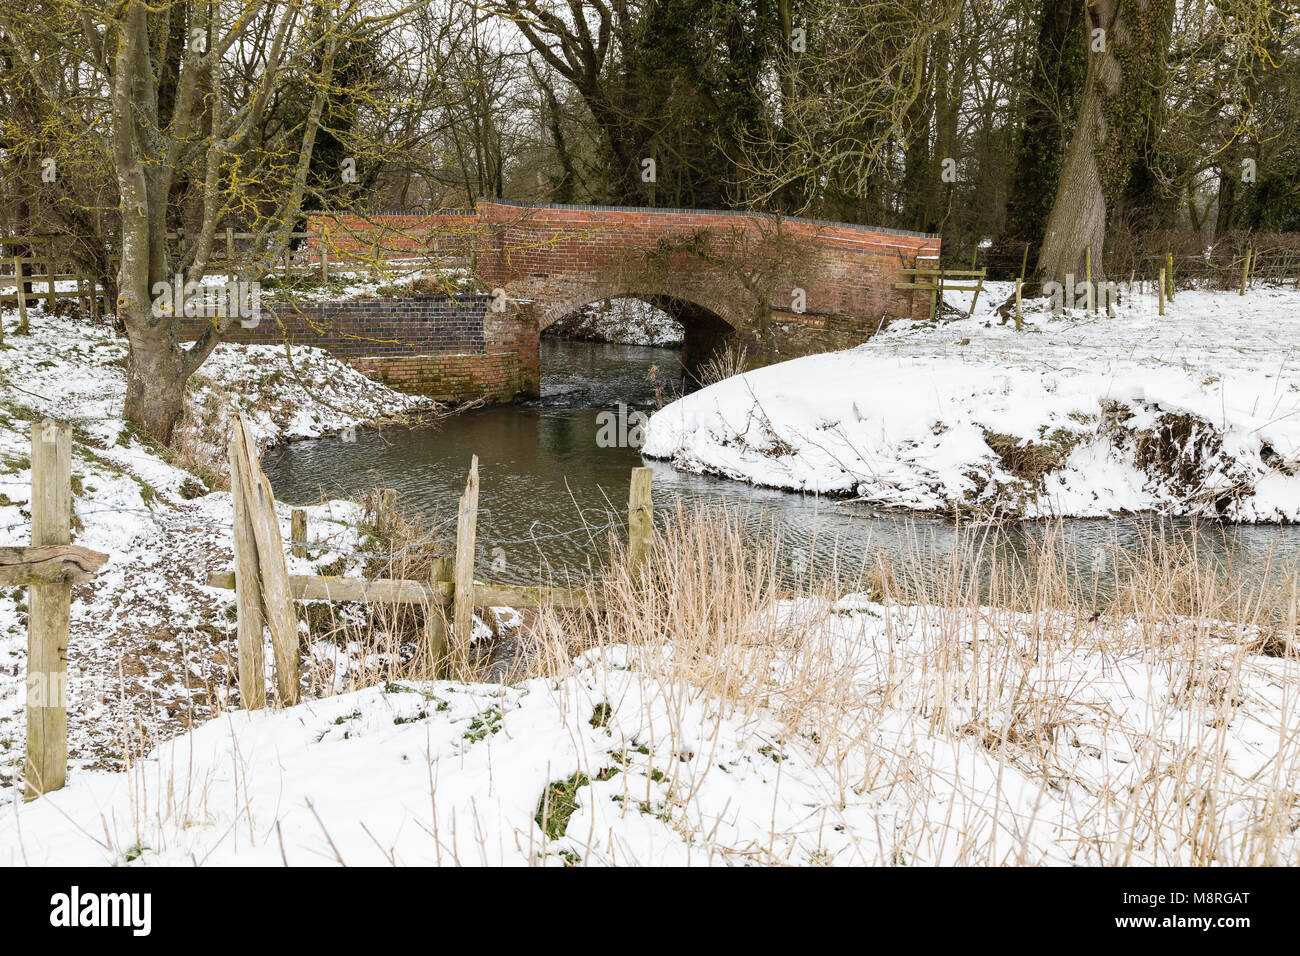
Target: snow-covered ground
151, 647
623, 322
1193, 412
841, 731
876, 740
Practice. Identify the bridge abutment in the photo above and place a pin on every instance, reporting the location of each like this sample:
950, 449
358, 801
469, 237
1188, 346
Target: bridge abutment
450, 348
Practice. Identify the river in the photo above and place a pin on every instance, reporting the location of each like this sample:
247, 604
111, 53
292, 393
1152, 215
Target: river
549, 490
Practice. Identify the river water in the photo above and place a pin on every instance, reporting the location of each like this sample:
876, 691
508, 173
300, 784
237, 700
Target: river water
550, 490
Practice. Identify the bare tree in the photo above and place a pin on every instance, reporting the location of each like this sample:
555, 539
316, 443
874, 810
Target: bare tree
186, 100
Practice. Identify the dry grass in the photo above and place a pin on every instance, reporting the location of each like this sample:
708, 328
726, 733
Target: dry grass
1148, 702
969, 708
728, 361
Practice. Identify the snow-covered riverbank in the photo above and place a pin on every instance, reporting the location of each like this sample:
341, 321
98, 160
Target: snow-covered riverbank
885, 736
1196, 412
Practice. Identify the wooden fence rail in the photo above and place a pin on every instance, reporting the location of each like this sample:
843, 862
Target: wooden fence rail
935, 282
48, 569
265, 590
34, 279
36, 274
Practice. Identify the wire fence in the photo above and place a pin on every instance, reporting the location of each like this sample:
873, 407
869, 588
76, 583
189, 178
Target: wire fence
592, 523
1197, 262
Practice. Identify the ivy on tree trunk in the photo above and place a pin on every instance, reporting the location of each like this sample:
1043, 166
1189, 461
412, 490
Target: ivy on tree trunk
1127, 43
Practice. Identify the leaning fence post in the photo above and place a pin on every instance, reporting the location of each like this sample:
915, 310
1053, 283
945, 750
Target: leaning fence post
46, 765
979, 287
1245, 271
22, 296
248, 595
640, 518
463, 582
277, 599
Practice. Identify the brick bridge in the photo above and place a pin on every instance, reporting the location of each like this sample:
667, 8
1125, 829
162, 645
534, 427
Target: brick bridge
782, 287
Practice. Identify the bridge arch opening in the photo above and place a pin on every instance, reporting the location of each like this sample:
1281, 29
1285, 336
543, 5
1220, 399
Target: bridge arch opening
701, 332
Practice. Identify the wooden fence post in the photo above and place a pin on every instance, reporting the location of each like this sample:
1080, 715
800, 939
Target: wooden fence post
248, 595
1170, 267
1019, 285
463, 574
277, 600
640, 518
1245, 271
938, 294
46, 764
298, 533
1160, 293
22, 296
979, 287
51, 299
1087, 278
435, 621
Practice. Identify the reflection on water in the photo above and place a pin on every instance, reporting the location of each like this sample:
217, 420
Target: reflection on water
549, 492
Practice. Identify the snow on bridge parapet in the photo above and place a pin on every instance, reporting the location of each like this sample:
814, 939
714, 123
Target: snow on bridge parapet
742, 268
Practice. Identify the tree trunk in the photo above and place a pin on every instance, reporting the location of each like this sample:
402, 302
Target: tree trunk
155, 383
1078, 217
1114, 123
1226, 216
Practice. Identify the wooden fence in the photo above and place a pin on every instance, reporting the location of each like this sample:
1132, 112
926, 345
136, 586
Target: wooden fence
48, 569
35, 277
935, 282
319, 253
36, 273
265, 591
